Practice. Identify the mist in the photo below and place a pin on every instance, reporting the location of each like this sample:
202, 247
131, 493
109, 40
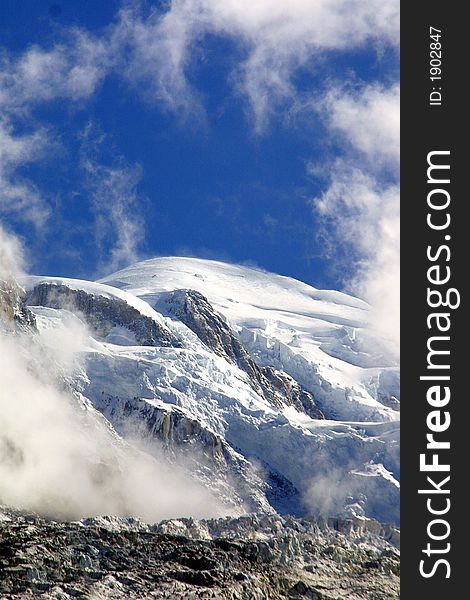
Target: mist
359, 492
11, 255
58, 455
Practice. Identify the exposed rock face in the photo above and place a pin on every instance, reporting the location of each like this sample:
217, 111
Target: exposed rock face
250, 558
292, 393
102, 314
14, 314
195, 311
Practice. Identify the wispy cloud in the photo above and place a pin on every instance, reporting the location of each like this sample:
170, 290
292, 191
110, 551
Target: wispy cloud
153, 53
363, 215
368, 119
119, 226
360, 205
71, 69
37, 76
274, 39
11, 255
157, 50
19, 197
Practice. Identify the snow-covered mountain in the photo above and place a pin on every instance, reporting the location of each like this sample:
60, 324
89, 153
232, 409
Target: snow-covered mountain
269, 393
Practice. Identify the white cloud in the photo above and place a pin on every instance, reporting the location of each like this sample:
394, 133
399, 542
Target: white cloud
11, 255
158, 50
153, 54
19, 197
369, 120
361, 203
72, 70
364, 216
119, 224
274, 37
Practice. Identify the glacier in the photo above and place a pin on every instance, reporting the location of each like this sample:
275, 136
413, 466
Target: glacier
273, 395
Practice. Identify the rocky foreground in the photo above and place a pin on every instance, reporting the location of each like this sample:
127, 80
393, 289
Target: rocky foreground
252, 558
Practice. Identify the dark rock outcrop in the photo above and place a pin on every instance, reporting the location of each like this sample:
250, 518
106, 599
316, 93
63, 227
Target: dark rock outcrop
263, 558
102, 313
293, 394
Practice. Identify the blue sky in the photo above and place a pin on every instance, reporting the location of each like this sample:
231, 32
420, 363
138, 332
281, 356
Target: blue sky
260, 131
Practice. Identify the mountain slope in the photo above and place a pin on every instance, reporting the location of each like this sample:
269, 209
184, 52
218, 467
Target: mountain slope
314, 335
236, 380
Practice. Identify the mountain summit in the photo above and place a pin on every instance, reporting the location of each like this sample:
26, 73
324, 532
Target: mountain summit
271, 396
